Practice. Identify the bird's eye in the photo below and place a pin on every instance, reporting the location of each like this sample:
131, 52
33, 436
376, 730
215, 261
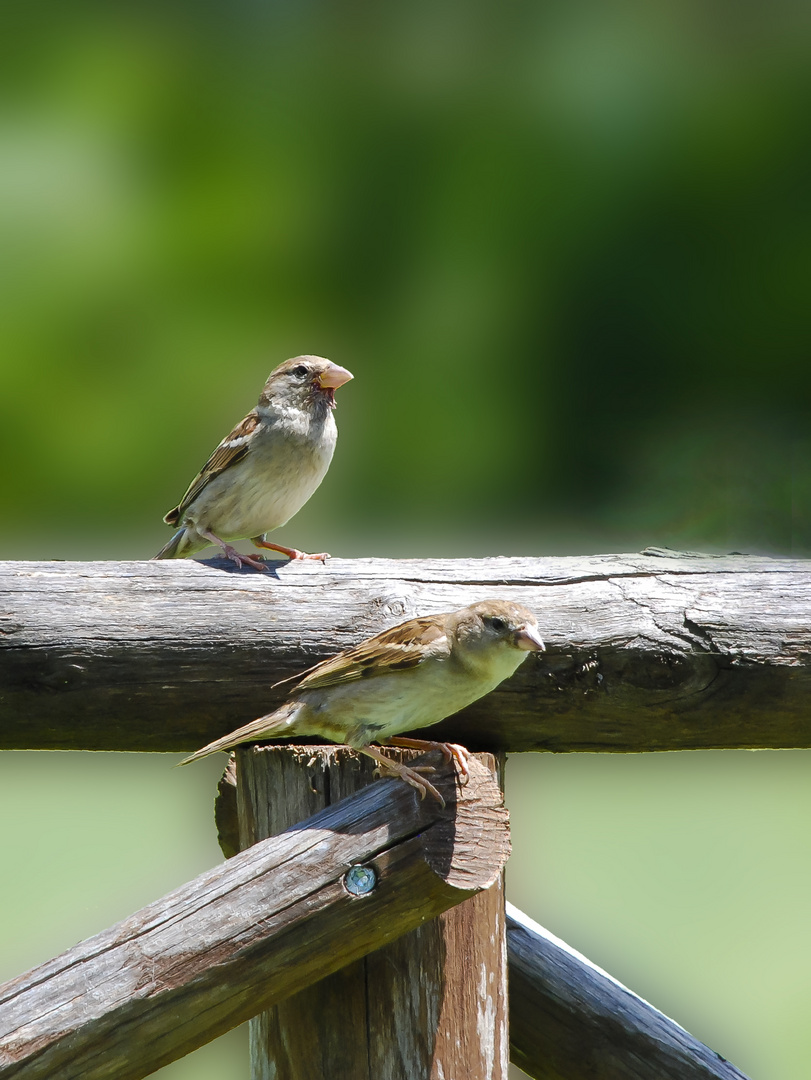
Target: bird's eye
497, 624
300, 371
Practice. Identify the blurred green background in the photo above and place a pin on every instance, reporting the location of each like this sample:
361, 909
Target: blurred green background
565, 248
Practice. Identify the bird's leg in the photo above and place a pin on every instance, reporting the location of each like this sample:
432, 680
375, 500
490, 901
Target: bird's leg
291, 553
411, 776
232, 553
452, 751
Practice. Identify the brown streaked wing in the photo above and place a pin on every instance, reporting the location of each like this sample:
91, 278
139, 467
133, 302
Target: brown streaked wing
232, 449
396, 649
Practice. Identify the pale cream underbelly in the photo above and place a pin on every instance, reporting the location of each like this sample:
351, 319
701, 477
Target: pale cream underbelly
237, 504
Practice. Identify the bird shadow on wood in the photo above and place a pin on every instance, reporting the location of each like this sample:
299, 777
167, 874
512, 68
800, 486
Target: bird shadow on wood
229, 567
318, 777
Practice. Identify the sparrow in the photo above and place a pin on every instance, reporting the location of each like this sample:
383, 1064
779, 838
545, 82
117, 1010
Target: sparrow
410, 676
266, 469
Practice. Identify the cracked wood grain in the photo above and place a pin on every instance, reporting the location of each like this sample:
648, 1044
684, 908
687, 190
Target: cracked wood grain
651, 651
271, 921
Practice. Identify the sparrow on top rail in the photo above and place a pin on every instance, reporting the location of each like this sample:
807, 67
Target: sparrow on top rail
266, 469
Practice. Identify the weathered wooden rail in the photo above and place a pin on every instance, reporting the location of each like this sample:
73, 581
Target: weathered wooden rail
655, 651
568, 1018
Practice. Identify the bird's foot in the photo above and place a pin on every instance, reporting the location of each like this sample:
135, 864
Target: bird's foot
412, 776
243, 560
291, 553
232, 553
452, 751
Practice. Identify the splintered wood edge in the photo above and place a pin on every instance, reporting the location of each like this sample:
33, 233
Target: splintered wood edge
474, 821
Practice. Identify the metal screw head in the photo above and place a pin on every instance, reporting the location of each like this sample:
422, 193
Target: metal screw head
360, 880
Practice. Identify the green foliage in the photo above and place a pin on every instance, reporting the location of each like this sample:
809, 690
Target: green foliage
565, 250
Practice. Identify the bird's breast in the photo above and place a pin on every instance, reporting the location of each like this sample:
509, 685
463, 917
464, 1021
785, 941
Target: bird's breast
270, 484
384, 705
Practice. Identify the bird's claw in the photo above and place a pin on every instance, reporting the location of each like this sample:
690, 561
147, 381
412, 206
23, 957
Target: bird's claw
421, 785
292, 554
451, 751
322, 557
461, 755
412, 776
243, 560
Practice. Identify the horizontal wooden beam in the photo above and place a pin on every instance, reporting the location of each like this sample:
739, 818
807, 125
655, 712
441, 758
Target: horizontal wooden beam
654, 651
269, 922
569, 1020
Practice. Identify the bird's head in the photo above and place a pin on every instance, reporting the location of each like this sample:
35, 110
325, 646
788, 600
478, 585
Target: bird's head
303, 380
495, 633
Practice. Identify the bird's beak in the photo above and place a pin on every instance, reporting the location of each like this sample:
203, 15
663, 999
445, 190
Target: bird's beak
334, 376
528, 639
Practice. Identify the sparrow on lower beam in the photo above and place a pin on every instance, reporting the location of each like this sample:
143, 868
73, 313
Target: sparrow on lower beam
408, 677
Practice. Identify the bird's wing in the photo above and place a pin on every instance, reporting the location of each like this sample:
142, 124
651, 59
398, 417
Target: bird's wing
402, 647
232, 449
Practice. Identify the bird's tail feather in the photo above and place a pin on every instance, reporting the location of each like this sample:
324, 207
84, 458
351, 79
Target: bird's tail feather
274, 726
175, 549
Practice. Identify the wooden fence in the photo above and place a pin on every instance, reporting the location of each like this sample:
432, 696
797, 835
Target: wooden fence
327, 922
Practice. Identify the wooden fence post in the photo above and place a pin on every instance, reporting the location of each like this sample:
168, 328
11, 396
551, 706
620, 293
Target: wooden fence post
432, 1005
